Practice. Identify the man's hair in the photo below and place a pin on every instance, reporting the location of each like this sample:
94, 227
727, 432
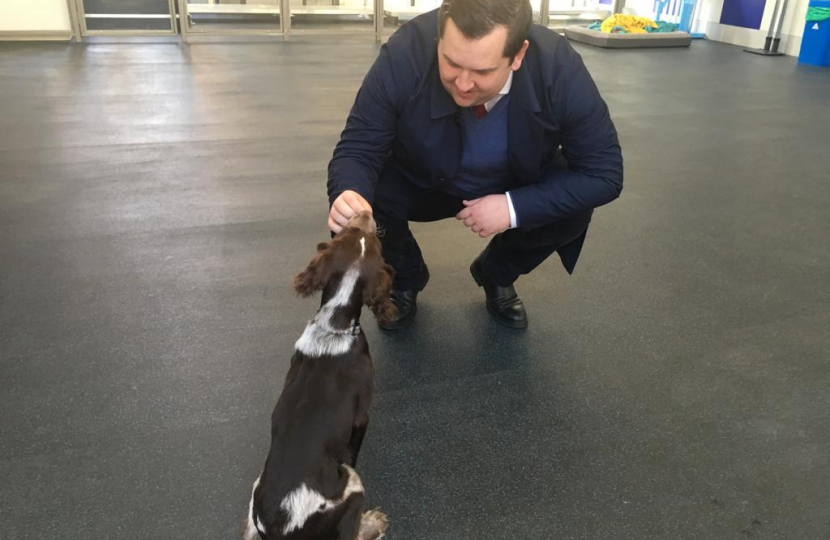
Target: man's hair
477, 18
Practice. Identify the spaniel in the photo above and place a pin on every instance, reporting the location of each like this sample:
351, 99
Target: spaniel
309, 488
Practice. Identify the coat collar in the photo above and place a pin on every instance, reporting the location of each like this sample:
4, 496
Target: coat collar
441, 103
523, 93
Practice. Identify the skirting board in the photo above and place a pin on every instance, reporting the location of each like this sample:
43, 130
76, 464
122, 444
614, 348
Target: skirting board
34, 35
743, 37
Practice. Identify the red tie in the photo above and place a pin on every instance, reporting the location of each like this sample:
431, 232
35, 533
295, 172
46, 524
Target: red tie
480, 111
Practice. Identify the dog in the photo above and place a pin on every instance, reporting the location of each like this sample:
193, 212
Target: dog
309, 489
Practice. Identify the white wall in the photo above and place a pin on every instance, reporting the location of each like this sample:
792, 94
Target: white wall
708, 17
34, 15
642, 8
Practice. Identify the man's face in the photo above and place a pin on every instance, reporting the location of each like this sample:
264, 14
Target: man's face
474, 71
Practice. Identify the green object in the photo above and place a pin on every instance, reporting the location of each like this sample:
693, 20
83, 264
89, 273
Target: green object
817, 14
662, 28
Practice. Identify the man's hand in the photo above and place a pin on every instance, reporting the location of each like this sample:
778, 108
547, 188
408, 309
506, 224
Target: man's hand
487, 215
348, 204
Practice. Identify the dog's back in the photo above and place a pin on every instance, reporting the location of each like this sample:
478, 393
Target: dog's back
311, 427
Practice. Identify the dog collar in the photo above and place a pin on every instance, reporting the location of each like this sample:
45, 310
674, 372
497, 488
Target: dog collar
353, 330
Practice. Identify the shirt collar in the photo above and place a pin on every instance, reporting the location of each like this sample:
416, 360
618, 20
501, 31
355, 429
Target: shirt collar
506, 89
503, 92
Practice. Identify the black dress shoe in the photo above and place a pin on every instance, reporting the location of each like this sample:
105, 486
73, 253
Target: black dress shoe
405, 302
503, 304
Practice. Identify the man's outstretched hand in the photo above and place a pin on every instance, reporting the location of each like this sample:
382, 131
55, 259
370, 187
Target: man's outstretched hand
348, 204
487, 215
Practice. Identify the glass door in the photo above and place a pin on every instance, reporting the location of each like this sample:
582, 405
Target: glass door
397, 12
558, 14
126, 17
537, 10
333, 16
231, 17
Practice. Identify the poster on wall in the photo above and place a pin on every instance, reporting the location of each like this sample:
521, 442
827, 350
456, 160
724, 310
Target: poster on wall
743, 13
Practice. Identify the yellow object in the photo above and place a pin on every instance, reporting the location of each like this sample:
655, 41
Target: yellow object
630, 23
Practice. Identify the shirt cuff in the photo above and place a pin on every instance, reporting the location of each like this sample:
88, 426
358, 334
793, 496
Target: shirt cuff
513, 221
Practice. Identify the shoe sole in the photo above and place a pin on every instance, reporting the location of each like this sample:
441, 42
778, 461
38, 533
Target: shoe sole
509, 324
403, 323
479, 279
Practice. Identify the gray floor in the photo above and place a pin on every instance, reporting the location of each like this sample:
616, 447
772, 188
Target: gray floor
155, 200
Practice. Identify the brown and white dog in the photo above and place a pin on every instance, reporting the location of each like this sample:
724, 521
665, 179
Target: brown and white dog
308, 488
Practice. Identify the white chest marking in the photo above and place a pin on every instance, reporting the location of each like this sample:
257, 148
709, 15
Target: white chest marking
319, 338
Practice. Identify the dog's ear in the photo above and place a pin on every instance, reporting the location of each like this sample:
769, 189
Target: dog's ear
376, 293
316, 274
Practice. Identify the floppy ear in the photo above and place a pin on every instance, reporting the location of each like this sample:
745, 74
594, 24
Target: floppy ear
376, 293
316, 274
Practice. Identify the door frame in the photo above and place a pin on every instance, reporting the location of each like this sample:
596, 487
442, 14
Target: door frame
84, 31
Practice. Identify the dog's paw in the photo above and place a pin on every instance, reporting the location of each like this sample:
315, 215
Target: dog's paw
373, 525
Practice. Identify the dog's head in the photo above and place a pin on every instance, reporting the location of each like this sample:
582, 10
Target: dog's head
356, 245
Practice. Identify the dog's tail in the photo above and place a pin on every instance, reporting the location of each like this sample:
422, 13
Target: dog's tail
373, 525
250, 532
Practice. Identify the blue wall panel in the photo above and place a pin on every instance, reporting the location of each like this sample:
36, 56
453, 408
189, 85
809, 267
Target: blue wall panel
743, 13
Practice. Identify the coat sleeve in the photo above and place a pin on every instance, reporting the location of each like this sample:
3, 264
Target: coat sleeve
594, 175
366, 142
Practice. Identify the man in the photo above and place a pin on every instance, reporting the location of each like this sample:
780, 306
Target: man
468, 112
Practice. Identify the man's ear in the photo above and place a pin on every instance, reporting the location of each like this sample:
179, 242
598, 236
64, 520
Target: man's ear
316, 274
520, 56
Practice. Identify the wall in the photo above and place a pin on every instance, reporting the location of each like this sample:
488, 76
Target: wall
648, 8
34, 16
708, 17
707, 21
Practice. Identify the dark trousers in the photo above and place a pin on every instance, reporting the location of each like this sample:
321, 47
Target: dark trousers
509, 255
